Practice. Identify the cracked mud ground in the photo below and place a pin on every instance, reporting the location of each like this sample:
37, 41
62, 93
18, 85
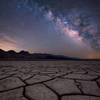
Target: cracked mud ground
49, 80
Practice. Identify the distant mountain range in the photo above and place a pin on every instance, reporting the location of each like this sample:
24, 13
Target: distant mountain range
25, 55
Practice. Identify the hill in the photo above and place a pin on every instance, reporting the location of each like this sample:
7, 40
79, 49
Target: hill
25, 55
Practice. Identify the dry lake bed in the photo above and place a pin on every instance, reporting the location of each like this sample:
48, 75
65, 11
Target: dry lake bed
49, 80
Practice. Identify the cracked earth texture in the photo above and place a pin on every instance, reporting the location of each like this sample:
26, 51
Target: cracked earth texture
49, 80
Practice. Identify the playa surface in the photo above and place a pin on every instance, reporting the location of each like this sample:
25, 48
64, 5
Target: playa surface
49, 80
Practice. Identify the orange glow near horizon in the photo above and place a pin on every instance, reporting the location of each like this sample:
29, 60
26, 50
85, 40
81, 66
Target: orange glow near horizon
8, 43
94, 55
8, 46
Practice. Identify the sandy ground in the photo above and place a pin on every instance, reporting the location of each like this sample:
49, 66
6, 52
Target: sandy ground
49, 80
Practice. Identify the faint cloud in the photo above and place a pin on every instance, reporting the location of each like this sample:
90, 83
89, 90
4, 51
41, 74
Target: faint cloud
9, 39
8, 43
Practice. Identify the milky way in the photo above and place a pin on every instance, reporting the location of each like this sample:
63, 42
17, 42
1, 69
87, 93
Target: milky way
82, 19
51, 26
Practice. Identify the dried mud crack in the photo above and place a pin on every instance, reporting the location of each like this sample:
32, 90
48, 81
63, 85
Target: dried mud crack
49, 80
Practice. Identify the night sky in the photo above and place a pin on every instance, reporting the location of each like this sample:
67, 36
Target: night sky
63, 27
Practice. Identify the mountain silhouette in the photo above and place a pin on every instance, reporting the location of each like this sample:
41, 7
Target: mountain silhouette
25, 55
